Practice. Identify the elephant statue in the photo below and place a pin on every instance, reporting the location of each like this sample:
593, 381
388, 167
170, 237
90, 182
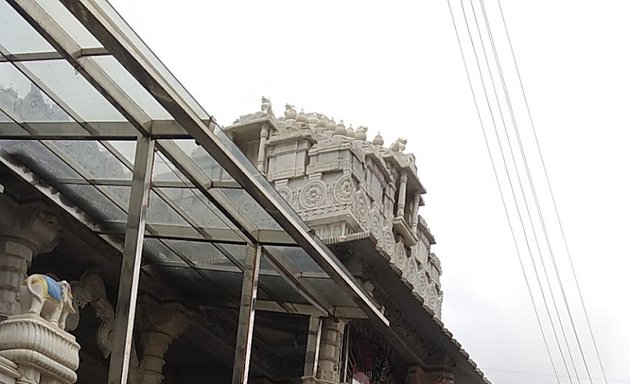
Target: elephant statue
43, 296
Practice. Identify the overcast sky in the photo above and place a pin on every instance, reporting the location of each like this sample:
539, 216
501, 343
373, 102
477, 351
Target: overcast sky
396, 68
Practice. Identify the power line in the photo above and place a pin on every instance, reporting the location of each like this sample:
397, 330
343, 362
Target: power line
512, 189
532, 373
529, 215
536, 202
553, 199
496, 176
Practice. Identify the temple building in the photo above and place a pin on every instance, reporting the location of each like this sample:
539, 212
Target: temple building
142, 243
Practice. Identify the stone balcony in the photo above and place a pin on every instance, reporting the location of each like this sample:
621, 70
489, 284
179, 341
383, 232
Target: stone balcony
345, 186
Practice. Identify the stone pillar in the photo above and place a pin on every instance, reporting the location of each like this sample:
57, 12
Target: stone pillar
402, 195
414, 213
418, 375
264, 133
160, 325
330, 350
26, 230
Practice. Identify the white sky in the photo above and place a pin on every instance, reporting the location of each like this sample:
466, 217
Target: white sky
396, 68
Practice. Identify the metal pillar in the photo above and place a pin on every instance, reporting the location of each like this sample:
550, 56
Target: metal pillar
312, 346
246, 315
132, 256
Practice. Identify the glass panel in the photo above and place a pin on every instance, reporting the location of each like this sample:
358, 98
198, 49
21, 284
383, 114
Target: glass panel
203, 255
295, 257
69, 23
92, 160
274, 287
132, 87
198, 207
249, 209
330, 292
16, 35
151, 58
164, 170
94, 202
74, 90
24, 101
35, 156
211, 168
159, 212
7, 126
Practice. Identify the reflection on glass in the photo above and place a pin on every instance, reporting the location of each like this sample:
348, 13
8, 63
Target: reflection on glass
92, 160
200, 210
250, 209
23, 101
35, 156
73, 90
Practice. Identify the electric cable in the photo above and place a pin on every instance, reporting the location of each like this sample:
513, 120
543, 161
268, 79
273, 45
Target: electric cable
520, 183
511, 184
535, 195
496, 176
553, 199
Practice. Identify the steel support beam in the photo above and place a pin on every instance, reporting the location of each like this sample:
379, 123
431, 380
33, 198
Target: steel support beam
312, 346
130, 269
246, 315
99, 19
103, 22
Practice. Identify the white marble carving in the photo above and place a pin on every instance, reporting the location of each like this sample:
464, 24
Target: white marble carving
342, 184
36, 341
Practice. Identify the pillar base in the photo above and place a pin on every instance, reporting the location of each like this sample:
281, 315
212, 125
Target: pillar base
39, 349
313, 380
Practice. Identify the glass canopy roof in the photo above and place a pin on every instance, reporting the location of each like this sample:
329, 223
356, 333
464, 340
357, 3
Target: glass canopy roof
78, 88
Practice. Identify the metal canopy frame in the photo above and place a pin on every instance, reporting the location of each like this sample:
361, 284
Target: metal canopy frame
180, 118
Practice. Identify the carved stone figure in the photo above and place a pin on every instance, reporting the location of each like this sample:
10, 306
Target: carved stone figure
399, 145
91, 290
43, 296
265, 106
35, 340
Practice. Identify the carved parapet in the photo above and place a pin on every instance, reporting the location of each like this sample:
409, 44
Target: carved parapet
40, 349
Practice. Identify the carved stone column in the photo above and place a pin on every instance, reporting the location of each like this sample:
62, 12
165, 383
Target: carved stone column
264, 134
330, 349
25, 231
417, 375
160, 324
402, 195
414, 213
